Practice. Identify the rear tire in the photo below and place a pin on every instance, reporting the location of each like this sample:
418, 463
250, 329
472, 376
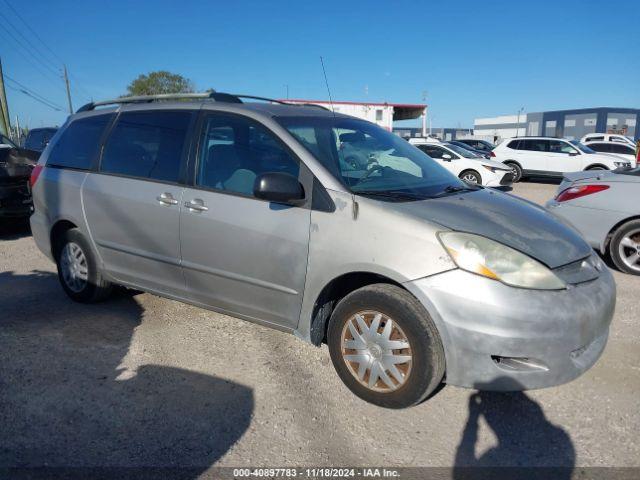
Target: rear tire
403, 330
517, 171
471, 176
621, 248
78, 270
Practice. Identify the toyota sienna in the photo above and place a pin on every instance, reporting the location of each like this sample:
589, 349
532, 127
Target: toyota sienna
411, 276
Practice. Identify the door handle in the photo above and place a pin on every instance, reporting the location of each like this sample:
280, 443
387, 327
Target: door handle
196, 205
167, 199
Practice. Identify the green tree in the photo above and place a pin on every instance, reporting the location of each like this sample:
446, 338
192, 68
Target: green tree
160, 82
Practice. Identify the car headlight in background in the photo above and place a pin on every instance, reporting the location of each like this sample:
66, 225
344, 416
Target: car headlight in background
622, 164
491, 259
496, 169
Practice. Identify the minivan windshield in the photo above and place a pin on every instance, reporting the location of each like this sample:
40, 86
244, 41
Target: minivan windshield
369, 160
582, 146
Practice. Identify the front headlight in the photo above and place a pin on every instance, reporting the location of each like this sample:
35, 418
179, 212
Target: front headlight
494, 260
491, 169
622, 164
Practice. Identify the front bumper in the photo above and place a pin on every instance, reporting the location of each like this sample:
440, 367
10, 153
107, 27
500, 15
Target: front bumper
502, 179
554, 336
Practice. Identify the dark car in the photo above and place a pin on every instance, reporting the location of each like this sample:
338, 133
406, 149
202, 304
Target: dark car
15, 169
38, 138
482, 153
483, 145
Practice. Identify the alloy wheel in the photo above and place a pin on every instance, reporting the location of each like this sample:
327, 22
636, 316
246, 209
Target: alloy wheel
73, 264
629, 249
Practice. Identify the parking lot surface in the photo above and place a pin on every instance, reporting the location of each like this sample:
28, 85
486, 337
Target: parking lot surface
144, 381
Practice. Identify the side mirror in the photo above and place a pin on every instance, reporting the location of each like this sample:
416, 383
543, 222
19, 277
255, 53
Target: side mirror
278, 187
446, 157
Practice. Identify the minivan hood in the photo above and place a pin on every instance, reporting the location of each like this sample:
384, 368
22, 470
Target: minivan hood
506, 219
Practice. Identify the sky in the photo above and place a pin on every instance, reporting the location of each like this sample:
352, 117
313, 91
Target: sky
465, 59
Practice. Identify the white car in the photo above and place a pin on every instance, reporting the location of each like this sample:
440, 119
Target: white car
618, 149
465, 164
551, 157
607, 137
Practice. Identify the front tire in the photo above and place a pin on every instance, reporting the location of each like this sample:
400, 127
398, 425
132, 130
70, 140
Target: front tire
517, 171
471, 176
385, 346
78, 270
624, 247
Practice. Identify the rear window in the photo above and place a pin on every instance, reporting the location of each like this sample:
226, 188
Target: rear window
79, 143
147, 145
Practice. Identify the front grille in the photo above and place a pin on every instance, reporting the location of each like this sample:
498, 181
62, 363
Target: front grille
507, 179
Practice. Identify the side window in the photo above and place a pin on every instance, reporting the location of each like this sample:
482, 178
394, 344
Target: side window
557, 146
434, 152
593, 139
534, 145
235, 150
515, 145
79, 143
600, 147
615, 148
147, 145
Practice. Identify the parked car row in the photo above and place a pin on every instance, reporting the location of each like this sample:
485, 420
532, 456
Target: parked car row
328, 227
15, 169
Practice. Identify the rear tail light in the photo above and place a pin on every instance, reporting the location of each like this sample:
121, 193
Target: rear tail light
580, 191
35, 173
491, 154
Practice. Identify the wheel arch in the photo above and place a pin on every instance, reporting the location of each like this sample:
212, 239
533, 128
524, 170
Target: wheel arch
57, 231
612, 231
513, 161
335, 290
597, 165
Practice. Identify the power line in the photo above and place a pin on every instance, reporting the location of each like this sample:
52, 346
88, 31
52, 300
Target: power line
28, 59
33, 93
34, 97
37, 36
28, 46
28, 42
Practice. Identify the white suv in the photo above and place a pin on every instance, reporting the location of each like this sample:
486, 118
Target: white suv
551, 157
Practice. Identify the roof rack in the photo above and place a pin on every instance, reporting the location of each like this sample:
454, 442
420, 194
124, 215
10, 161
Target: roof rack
212, 95
217, 96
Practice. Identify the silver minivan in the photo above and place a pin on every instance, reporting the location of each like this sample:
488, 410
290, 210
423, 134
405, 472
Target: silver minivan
411, 276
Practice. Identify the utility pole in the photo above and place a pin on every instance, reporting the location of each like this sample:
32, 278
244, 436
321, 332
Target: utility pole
66, 81
518, 121
5, 122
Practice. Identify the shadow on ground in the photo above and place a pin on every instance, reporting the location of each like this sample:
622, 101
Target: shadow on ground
525, 438
13, 229
544, 180
64, 400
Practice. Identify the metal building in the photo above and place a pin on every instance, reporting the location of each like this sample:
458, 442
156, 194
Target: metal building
382, 114
572, 124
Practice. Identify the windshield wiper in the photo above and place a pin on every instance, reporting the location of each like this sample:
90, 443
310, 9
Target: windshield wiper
396, 194
451, 189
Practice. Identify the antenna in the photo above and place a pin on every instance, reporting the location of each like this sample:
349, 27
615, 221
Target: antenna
327, 83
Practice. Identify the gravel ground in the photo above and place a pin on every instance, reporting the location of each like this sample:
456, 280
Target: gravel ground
144, 381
